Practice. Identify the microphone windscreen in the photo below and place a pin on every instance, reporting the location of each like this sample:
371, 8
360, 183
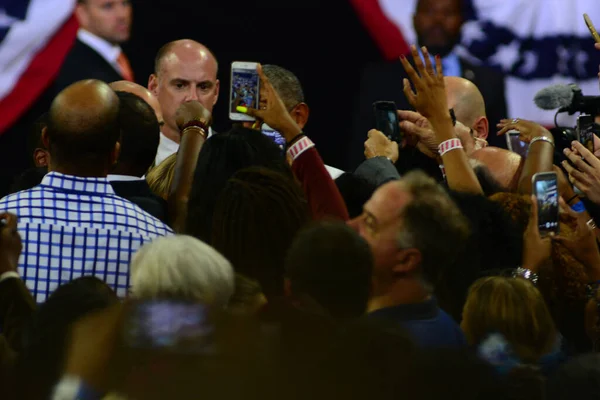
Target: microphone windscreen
554, 97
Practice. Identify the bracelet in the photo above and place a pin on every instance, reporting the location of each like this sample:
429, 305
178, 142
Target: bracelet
449, 145
526, 274
571, 199
202, 131
195, 123
591, 224
543, 139
299, 147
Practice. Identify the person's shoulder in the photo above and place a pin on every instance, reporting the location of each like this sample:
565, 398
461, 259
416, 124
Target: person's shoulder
144, 221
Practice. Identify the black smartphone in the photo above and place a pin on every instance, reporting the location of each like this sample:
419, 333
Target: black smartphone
169, 326
585, 131
386, 119
545, 189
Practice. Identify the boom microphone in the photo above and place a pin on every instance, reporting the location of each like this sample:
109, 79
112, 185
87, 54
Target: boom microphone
567, 98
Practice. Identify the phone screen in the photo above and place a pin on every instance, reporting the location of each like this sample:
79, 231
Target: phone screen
546, 192
169, 325
386, 119
515, 144
585, 131
244, 88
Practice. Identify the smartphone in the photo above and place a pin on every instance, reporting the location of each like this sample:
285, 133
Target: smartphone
244, 91
545, 189
591, 27
515, 144
585, 131
386, 119
274, 135
169, 326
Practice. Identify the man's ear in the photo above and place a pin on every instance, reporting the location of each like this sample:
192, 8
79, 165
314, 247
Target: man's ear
481, 127
300, 114
40, 157
407, 261
82, 15
114, 155
153, 84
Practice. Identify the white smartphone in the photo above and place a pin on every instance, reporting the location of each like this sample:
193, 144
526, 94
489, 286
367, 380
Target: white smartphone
545, 189
244, 91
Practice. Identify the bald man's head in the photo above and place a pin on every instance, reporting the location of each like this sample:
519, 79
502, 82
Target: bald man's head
504, 166
465, 98
141, 92
83, 127
185, 70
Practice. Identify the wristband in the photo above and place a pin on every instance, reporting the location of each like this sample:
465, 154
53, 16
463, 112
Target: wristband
300, 147
197, 124
294, 139
578, 207
449, 145
543, 139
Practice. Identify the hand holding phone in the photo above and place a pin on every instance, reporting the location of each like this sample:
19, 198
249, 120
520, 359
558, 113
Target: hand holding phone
515, 144
385, 114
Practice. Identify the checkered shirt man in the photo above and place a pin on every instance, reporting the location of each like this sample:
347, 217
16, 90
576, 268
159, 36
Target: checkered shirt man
74, 226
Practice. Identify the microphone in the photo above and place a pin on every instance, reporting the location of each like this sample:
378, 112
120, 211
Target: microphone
567, 98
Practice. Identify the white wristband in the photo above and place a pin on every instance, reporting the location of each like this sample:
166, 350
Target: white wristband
449, 145
300, 147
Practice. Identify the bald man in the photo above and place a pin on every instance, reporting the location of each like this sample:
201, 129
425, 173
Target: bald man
73, 223
184, 70
141, 92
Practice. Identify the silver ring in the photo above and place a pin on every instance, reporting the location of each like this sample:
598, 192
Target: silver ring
515, 120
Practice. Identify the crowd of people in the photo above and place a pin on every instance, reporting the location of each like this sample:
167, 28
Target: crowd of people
144, 255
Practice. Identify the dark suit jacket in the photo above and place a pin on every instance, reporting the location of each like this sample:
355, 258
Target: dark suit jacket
83, 62
138, 192
383, 81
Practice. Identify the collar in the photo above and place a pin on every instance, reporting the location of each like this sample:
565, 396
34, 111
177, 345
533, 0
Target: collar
108, 51
70, 183
410, 312
123, 178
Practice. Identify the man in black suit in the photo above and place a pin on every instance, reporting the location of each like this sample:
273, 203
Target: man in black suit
139, 140
96, 53
437, 24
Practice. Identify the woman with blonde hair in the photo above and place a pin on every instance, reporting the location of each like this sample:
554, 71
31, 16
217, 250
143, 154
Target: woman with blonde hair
508, 317
160, 177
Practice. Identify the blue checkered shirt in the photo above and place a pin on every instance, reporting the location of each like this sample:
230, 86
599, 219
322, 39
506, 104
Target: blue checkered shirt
72, 227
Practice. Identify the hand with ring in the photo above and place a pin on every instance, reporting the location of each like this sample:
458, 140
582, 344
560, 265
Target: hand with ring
527, 129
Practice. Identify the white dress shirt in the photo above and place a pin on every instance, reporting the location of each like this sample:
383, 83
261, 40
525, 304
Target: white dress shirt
166, 147
110, 52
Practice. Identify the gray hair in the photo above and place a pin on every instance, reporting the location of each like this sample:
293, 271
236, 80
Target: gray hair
182, 267
286, 84
431, 223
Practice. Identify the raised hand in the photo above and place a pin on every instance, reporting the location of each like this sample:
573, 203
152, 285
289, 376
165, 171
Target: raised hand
536, 250
527, 129
192, 113
585, 175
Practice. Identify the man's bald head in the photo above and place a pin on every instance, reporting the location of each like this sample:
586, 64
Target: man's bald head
183, 48
504, 166
141, 92
465, 98
83, 127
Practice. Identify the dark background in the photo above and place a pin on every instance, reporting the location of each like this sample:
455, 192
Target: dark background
322, 42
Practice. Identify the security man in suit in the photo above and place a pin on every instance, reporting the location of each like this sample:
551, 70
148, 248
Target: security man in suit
96, 54
437, 25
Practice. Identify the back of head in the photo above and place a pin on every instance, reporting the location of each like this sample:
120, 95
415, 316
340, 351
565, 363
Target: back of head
222, 156
256, 218
140, 134
465, 98
332, 264
182, 268
160, 177
514, 308
46, 339
83, 128
578, 379
433, 224
286, 84
503, 165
